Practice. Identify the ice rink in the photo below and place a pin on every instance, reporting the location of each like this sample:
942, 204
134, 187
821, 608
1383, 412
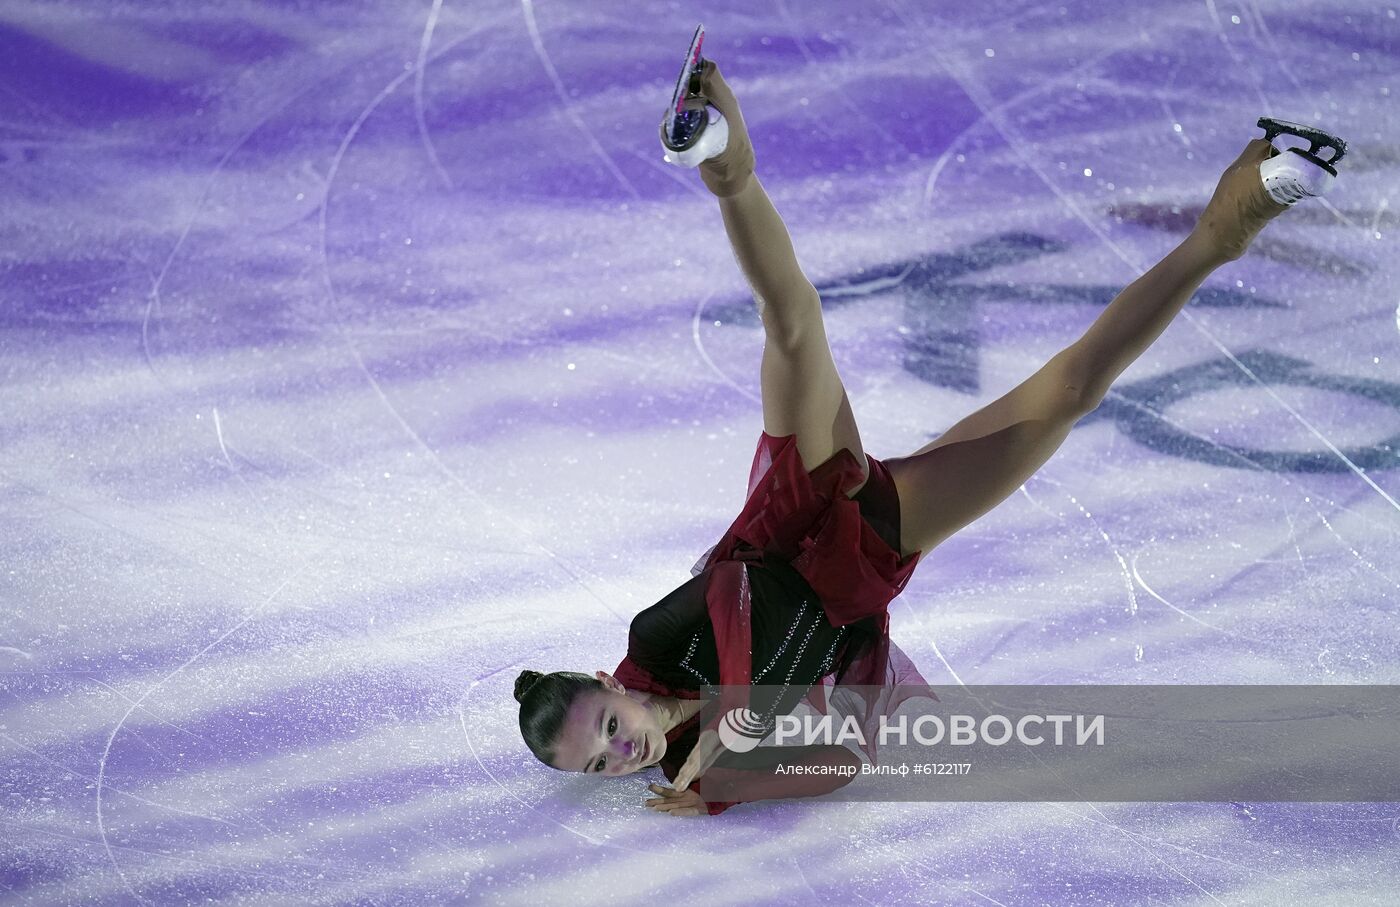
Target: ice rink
357, 356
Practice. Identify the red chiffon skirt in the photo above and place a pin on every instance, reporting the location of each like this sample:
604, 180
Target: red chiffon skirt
846, 548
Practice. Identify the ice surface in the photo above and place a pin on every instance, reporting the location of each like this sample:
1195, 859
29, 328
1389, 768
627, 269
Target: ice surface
358, 356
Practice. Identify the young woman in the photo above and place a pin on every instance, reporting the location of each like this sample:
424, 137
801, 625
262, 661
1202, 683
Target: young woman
796, 592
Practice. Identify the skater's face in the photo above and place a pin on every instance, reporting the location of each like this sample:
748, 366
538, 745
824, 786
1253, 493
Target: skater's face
609, 733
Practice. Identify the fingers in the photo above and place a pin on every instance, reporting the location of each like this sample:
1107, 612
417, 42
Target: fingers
668, 795
672, 808
664, 804
673, 803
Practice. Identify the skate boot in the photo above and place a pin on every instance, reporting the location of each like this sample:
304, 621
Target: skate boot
1297, 167
692, 131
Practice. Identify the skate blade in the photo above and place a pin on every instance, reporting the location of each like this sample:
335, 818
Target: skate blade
1307, 141
684, 122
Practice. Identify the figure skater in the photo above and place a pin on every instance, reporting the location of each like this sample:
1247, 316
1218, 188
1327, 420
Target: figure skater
796, 593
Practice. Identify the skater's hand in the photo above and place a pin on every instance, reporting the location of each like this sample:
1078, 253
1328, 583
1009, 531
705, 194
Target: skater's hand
676, 803
1240, 207
729, 172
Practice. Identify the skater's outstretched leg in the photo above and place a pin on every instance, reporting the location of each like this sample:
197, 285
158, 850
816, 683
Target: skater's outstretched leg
802, 392
988, 455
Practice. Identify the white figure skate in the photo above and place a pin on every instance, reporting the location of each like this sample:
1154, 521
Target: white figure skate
693, 131
1297, 168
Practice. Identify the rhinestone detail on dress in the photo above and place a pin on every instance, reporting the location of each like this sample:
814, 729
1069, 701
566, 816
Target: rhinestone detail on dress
792, 631
690, 653
830, 656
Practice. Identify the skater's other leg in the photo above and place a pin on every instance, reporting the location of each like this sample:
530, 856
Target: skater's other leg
981, 460
802, 391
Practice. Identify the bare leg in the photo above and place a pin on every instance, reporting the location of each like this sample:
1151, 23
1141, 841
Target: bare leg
802, 391
983, 459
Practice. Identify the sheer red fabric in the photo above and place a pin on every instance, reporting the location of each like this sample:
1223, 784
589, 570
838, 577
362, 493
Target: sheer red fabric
806, 519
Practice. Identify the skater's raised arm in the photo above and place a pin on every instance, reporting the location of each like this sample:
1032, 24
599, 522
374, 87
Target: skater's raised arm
756, 232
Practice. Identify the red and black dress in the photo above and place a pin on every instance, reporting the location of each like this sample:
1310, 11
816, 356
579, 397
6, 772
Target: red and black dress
795, 594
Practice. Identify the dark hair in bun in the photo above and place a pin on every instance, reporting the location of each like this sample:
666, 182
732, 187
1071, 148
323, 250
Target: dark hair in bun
544, 704
524, 682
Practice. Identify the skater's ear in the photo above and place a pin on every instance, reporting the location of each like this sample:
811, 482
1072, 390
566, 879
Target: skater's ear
610, 681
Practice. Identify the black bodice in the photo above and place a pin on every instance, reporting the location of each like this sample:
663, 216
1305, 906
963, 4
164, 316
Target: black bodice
793, 644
